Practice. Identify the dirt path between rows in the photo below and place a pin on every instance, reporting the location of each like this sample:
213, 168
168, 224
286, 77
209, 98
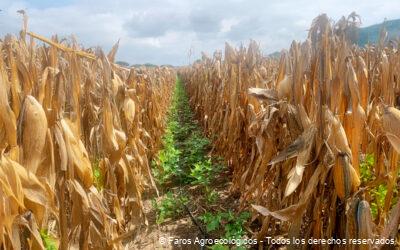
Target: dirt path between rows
184, 135
182, 227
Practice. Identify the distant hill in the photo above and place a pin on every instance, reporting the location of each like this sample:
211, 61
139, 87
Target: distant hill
276, 54
371, 33
122, 63
149, 65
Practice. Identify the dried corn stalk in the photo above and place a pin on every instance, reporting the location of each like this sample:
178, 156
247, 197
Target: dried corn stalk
64, 113
293, 130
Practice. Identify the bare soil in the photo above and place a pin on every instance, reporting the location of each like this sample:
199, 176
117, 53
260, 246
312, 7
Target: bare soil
184, 226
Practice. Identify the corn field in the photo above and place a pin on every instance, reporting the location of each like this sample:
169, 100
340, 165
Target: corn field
312, 138
311, 141
76, 135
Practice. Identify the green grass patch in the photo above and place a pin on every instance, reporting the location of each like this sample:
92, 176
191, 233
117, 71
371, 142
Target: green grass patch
211, 195
232, 224
48, 241
366, 168
98, 177
377, 194
170, 206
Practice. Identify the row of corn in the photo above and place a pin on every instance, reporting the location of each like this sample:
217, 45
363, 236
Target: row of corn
76, 135
296, 131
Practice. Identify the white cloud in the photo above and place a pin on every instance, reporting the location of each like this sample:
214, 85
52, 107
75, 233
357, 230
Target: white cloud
226, 24
163, 31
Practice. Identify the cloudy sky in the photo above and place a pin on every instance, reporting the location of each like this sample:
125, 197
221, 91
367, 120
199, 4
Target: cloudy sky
164, 31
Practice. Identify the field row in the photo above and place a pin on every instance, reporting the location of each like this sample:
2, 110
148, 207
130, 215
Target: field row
76, 135
313, 137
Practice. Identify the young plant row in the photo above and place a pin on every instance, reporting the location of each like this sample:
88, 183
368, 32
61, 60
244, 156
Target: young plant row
184, 162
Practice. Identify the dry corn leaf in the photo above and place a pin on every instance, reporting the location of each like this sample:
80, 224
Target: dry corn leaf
391, 126
345, 177
296, 174
34, 129
264, 94
364, 221
78, 157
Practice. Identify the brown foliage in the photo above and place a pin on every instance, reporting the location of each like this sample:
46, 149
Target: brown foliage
63, 112
294, 130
